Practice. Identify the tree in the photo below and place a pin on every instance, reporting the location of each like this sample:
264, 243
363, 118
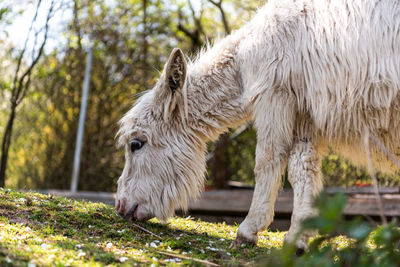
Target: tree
223, 15
195, 34
131, 40
119, 72
221, 175
21, 83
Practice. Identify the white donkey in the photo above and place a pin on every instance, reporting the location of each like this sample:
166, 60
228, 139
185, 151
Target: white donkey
309, 73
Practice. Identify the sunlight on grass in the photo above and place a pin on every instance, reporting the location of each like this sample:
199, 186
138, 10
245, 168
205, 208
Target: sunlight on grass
42, 230
47, 230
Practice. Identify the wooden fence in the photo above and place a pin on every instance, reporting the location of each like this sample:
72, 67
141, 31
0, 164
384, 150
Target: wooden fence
232, 206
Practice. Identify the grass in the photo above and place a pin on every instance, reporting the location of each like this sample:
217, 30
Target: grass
42, 230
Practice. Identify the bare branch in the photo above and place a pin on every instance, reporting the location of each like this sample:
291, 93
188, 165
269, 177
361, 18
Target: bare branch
22, 53
145, 230
223, 16
194, 35
374, 180
203, 262
23, 87
379, 144
237, 133
20, 86
215, 3
191, 8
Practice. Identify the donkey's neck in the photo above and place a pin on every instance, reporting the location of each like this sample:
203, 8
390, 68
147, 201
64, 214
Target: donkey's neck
215, 91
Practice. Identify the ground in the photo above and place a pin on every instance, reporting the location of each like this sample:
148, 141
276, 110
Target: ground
43, 230
40, 230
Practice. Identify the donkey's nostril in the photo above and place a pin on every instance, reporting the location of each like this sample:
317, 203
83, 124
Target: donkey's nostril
117, 204
130, 215
120, 206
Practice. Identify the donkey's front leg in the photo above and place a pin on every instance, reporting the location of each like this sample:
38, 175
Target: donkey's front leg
261, 213
305, 178
274, 122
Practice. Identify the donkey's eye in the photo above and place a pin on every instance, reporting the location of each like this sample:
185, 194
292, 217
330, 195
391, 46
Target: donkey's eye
136, 144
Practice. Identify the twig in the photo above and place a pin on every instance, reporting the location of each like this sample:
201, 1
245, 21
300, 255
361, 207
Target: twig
374, 180
146, 231
223, 16
379, 144
237, 133
370, 220
208, 263
21, 56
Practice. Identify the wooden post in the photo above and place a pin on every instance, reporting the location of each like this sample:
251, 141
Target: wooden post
81, 125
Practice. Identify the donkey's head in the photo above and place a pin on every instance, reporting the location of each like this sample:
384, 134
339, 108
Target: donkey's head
165, 161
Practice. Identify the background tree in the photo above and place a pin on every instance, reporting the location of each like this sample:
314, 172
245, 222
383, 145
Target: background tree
218, 174
21, 82
131, 40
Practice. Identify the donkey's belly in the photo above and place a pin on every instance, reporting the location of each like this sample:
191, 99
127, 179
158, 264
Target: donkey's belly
344, 133
354, 149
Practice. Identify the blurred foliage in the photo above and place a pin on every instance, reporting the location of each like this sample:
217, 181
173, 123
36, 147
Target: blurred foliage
336, 170
132, 39
368, 246
242, 156
340, 172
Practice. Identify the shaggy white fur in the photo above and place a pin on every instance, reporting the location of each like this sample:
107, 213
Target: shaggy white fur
311, 74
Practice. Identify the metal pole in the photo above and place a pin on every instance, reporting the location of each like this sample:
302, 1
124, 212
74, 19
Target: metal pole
81, 125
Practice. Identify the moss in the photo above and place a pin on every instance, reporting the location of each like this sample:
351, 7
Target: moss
47, 230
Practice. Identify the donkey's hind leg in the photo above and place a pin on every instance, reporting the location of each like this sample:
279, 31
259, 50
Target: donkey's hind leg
305, 178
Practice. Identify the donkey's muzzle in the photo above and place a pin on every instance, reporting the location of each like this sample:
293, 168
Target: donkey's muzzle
120, 206
131, 214
122, 209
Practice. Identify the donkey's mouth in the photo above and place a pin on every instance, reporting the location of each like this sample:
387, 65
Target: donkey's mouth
131, 214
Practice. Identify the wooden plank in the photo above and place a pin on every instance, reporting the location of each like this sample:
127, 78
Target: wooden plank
232, 201
332, 189
367, 205
238, 202
362, 190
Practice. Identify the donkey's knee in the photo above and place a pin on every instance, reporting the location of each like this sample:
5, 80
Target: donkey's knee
304, 174
305, 178
304, 166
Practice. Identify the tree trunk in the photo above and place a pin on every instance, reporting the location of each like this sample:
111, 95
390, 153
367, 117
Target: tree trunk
21, 84
220, 163
5, 146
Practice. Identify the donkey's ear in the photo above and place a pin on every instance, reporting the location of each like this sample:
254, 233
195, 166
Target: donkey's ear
175, 70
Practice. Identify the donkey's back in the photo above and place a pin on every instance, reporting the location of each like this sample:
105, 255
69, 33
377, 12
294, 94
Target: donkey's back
340, 61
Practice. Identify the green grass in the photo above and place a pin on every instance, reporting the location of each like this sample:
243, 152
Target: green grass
45, 230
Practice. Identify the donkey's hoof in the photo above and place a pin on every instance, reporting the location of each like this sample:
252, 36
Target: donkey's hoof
300, 244
300, 251
301, 247
241, 240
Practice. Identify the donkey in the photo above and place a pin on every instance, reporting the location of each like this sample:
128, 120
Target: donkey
311, 75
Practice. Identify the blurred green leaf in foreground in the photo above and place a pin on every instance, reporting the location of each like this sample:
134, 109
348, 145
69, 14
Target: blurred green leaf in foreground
341, 243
